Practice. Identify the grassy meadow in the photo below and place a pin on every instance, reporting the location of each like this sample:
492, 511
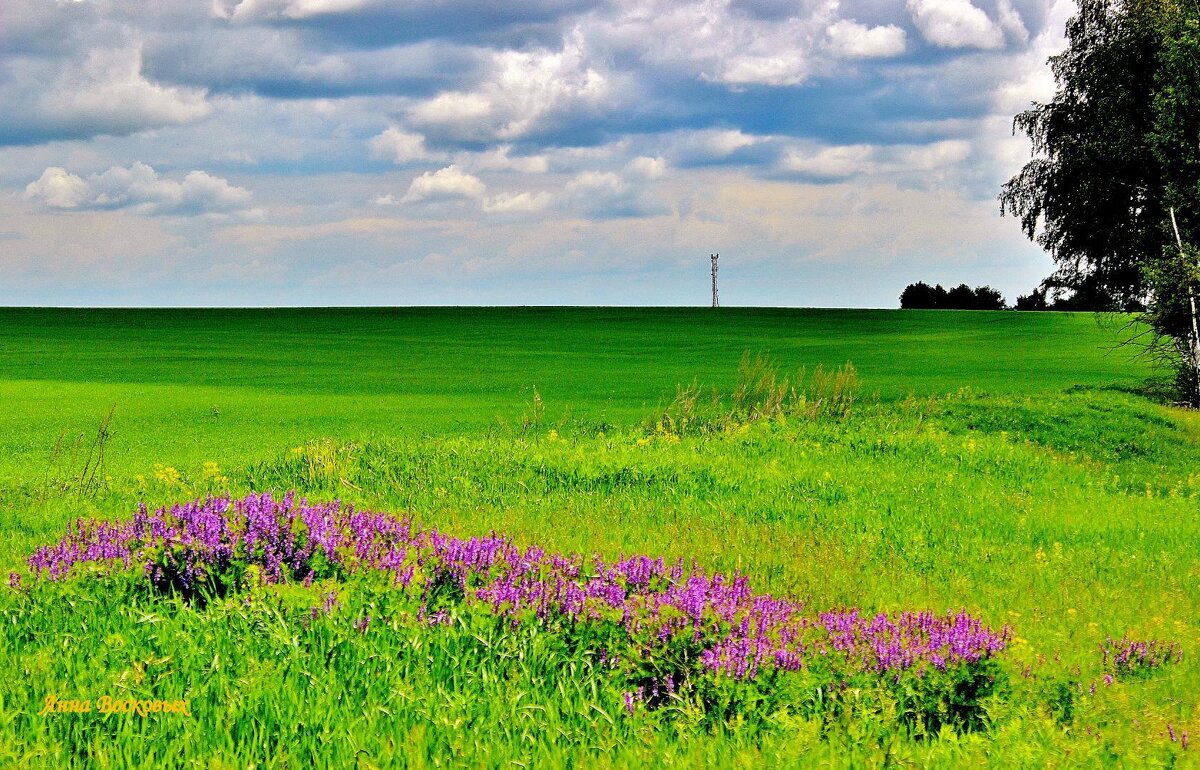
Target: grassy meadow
1003, 464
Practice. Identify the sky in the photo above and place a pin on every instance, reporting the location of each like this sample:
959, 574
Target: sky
542, 152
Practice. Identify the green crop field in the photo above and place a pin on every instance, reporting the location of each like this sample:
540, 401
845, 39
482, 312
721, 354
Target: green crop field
1010, 470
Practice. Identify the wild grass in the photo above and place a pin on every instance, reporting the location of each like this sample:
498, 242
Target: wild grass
760, 393
76, 465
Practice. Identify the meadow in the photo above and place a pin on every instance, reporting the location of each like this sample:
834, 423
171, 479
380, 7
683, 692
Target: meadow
1013, 469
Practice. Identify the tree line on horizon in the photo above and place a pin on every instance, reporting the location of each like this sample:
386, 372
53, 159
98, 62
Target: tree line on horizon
922, 296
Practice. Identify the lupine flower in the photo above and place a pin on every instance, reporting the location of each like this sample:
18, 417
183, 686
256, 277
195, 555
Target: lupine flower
738, 632
1132, 657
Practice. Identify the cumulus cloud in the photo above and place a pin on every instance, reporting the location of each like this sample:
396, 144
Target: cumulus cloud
521, 202
58, 189
646, 167
851, 39
610, 195
712, 40
955, 24
401, 146
597, 184
138, 187
1027, 78
710, 146
830, 163
38, 27
1011, 22
356, 22
721, 143
102, 90
500, 158
286, 9
931, 157
110, 94
453, 184
523, 89
449, 183
841, 162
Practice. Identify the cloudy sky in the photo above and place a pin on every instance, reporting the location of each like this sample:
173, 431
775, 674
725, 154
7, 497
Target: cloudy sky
332, 152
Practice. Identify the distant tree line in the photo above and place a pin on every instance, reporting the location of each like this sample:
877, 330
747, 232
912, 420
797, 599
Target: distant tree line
1048, 296
922, 296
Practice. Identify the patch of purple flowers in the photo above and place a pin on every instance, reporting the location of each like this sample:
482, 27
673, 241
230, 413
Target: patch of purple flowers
1126, 657
737, 632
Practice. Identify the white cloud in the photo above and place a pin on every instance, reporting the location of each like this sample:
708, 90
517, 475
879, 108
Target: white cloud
606, 194
250, 10
58, 189
603, 182
722, 143
955, 24
930, 157
138, 187
455, 106
508, 203
705, 146
452, 183
500, 158
837, 162
784, 69
840, 162
110, 94
854, 40
449, 183
646, 167
1028, 78
523, 89
401, 146
712, 40
1011, 22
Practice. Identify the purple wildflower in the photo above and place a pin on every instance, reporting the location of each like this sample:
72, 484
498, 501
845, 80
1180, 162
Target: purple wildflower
658, 604
1131, 657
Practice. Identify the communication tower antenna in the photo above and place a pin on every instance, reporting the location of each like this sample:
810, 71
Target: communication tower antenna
713, 257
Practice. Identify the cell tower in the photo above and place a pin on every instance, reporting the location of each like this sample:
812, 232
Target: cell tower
713, 257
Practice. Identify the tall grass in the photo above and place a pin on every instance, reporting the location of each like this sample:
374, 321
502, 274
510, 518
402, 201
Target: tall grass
760, 392
72, 468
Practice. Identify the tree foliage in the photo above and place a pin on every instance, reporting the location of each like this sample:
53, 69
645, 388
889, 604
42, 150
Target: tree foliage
1113, 153
1090, 196
921, 295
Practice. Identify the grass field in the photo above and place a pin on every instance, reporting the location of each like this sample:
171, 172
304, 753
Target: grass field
1000, 464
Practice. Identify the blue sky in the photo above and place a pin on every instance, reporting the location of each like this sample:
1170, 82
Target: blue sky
360, 152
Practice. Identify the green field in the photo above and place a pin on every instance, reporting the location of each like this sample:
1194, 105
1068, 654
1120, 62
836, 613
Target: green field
1005, 464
